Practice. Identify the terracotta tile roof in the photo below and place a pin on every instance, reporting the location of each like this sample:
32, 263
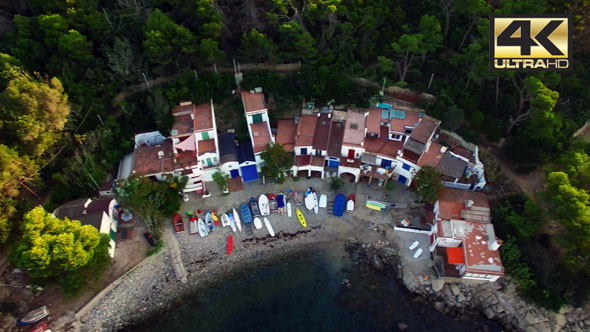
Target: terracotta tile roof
185, 159
286, 131
183, 124
398, 125
410, 156
184, 107
452, 201
303, 160
321, 134
203, 117
432, 157
305, 130
382, 145
354, 131
260, 136
147, 162
205, 146
317, 161
336, 136
253, 101
451, 166
374, 121
425, 129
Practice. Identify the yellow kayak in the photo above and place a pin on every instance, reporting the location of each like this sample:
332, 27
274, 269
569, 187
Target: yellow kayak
301, 218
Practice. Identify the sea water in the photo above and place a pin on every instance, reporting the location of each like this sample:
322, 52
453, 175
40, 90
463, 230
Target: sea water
304, 291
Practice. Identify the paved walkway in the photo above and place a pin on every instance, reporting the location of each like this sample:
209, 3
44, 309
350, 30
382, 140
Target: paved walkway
175, 258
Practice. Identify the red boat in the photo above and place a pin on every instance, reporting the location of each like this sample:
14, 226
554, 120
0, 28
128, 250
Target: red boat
178, 223
350, 201
230, 244
41, 327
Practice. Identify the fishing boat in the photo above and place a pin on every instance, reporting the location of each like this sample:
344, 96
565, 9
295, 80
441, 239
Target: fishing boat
203, 231
224, 220
237, 220
192, 225
315, 203
263, 205
230, 245
33, 316
323, 201
254, 207
298, 197
272, 203
301, 218
178, 223
350, 201
269, 227
257, 223
232, 222
215, 218
339, 205
246, 214
40, 327
281, 203
289, 209
209, 220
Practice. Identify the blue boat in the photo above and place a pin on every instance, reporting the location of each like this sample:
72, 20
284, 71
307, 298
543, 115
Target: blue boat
339, 205
246, 214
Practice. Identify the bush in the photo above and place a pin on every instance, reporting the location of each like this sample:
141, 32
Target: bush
154, 250
336, 183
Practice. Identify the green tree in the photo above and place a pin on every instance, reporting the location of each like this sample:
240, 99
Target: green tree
166, 41
121, 59
209, 52
53, 27
152, 200
528, 222
427, 183
296, 43
24, 45
257, 47
454, 117
336, 183
75, 46
221, 181
276, 162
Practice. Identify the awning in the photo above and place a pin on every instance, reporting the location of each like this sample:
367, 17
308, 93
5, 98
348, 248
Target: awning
455, 255
187, 144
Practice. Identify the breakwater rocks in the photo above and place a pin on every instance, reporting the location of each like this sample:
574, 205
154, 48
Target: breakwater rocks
497, 301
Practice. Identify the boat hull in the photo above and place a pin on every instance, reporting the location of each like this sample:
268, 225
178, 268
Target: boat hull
269, 228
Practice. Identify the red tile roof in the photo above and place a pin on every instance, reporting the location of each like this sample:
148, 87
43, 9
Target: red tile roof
260, 136
205, 146
303, 160
286, 131
432, 157
183, 124
398, 125
184, 107
410, 156
203, 117
147, 162
186, 159
477, 247
425, 129
336, 136
354, 131
305, 130
382, 145
374, 121
253, 101
452, 201
321, 134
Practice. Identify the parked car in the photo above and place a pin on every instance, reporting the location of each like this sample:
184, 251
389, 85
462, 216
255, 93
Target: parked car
150, 239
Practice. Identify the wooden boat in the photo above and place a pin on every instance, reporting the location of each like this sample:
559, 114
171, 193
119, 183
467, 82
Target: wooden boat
192, 225
263, 204
40, 327
323, 201
232, 222
209, 220
203, 231
269, 227
178, 223
224, 220
246, 214
339, 205
255, 210
272, 203
301, 218
289, 209
33, 316
230, 245
215, 218
257, 223
237, 220
350, 203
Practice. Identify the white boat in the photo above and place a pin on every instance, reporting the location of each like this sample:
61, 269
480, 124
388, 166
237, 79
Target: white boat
309, 202
414, 245
224, 220
257, 223
203, 231
315, 203
418, 253
269, 227
232, 223
289, 209
350, 203
323, 200
263, 205
237, 219
33, 316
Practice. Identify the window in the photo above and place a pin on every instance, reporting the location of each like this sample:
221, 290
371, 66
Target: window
396, 137
215, 160
407, 131
205, 135
354, 126
303, 151
256, 118
406, 167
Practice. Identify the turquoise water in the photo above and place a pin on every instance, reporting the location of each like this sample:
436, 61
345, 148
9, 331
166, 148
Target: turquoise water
304, 292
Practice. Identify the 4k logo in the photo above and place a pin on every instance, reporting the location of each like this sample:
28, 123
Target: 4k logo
530, 42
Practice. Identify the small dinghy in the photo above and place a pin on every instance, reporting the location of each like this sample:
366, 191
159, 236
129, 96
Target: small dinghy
350, 203
209, 221
203, 231
237, 220
301, 218
281, 203
246, 214
33, 316
315, 203
230, 245
269, 227
309, 201
339, 205
215, 218
257, 223
323, 201
39, 327
255, 210
178, 223
232, 222
224, 220
263, 205
192, 225
272, 203
289, 209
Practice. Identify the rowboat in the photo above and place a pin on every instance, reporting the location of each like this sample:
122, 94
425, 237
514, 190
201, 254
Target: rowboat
272, 202
301, 218
230, 244
215, 218
224, 220
40, 327
323, 201
192, 225
237, 220
254, 207
246, 214
339, 205
310, 202
269, 227
232, 222
350, 203
281, 203
209, 220
33, 316
178, 223
263, 205
257, 223
203, 231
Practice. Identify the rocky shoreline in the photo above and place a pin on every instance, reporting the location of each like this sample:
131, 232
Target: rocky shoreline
497, 301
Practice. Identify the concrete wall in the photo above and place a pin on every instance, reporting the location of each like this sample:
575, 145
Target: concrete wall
358, 151
229, 166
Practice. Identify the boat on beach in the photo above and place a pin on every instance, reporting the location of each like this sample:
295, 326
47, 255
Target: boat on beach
40, 327
232, 222
203, 231
33, 316
301, 218
269, 228
289, 209
257, 223
209, 220
178, 223
237, 220
323, 201
246, 214
339, 205
315, 203
281, 203
230, 245
215, 218
192, 225
298, 197
350, 201
272, 203
263, 204
255, 211
224, 220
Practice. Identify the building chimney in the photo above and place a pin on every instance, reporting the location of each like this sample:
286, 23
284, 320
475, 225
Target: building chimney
468, 204
496, 244
160, 154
